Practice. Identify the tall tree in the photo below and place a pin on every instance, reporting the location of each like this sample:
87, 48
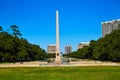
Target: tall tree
118, 25
1, 29
16, 31
104, 49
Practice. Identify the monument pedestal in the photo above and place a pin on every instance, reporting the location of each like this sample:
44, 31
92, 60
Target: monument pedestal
58, 59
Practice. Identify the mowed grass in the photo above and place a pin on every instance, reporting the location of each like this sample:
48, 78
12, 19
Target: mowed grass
61, 73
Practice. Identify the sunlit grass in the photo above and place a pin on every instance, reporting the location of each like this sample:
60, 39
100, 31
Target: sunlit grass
60, 73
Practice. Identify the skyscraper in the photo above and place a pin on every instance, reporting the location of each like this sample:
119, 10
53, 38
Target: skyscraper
68, 49
109, 26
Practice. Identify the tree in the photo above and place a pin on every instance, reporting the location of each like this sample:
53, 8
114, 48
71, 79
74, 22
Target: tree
13, 48
15, 30
22, 55
118, 25
1, 29
1, 56
104, 49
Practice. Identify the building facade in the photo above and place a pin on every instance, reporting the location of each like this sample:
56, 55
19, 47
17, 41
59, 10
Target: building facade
51, 49
68, 49
83, 44
109, 26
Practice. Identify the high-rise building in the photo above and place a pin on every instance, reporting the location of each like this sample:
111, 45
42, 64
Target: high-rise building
68, 49
109, 26
51, 48
83, 44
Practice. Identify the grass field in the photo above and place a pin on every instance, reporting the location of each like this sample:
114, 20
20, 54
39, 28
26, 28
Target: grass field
61, 73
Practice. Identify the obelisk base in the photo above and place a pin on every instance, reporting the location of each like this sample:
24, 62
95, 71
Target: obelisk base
58, 60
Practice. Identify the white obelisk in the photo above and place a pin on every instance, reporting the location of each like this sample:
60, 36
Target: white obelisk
58, 56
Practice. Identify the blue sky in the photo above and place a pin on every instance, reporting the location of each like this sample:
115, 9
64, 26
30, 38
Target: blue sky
80, 20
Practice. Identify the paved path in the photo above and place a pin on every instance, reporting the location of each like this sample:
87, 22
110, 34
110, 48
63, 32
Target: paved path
44, 64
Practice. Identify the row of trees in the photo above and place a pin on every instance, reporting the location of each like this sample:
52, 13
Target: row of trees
104, 49
15, 48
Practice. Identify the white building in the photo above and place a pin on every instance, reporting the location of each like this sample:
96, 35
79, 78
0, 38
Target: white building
51, 48
83, 44
109, 26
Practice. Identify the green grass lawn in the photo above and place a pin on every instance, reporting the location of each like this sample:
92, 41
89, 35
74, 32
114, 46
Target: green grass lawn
61, 73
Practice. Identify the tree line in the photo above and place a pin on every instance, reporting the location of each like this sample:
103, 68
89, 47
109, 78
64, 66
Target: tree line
104, 49
14, 48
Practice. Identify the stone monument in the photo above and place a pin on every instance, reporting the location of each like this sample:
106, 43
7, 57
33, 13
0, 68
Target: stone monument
57, 55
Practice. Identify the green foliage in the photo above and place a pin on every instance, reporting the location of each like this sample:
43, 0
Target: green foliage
118, 25
50, 55
1, 28
15, 30
104, 49
13, 48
